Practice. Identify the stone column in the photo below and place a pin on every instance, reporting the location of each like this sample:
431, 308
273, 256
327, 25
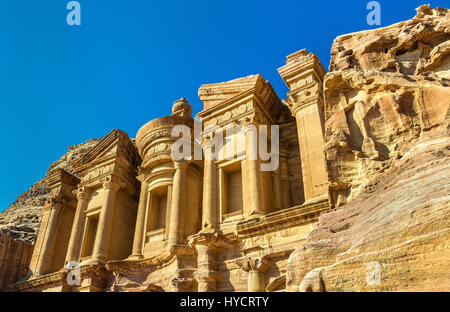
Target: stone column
209, 213
256, 278
73, 250
102, 238
204, 244
176, 227
285, 184
277, 189
139, 232
168, 208
53, 209
252, 165
303, 74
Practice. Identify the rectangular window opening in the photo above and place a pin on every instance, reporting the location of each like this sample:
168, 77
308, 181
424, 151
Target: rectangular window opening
233, 189
89, 236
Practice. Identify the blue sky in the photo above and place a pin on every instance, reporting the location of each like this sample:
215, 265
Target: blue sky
131, 59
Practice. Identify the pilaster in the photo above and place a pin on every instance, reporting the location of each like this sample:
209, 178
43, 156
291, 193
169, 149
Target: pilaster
303, 74
102, 238
205, 243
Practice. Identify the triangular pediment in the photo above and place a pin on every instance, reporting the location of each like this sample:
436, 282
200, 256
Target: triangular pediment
218, 98
216, 93
114, 144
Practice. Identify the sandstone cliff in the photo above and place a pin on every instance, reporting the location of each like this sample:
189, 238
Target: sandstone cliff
387, 99
23, 218
15, 256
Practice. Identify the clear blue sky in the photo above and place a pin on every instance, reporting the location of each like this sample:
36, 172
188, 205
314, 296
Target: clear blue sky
130, 59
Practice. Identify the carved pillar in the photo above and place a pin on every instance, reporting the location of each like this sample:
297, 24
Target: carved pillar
103, 235
277, 189
252, 166
176, 226
204, 244
256, 278
285, 183
209, 212
303, 74
73, 250
168, 209
52, 209
139, 232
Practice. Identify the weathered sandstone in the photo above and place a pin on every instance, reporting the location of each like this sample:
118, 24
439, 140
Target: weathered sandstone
359, 201
387, 102
15, 256
376, 109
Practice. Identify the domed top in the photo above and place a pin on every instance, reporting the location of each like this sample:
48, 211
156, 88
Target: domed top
182, 108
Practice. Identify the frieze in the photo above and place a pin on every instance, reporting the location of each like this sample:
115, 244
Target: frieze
281, 219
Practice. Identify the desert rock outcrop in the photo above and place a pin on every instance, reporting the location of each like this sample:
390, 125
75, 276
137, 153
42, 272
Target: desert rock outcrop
15, 256
387, 99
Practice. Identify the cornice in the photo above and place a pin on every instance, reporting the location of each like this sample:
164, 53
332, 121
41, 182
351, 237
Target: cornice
300, 64
99, 153
282, 219
38, 281
59, 176
262, 94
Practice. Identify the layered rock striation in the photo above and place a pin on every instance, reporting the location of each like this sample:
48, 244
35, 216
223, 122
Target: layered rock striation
15, 256
387, 99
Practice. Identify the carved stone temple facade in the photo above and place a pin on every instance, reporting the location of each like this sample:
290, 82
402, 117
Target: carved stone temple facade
136, 219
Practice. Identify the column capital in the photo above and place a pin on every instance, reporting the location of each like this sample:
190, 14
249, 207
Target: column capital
55, 199
301, 69
141, 173
112, 183
54, 202
181, 284
299, 100
207, 142
82, 192
141, 178
248, 122
206, 237
255, 264
303, 75
180, 164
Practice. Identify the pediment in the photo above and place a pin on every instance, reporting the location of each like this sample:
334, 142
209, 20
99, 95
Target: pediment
115, 144
219, 99
216, 93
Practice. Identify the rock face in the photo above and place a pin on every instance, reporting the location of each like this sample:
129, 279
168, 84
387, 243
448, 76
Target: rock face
413, 47
385, 89
387, 99
23, 218
15, 256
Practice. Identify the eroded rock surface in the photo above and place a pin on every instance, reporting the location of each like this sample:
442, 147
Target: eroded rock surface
375, 110
387, 144
15, 255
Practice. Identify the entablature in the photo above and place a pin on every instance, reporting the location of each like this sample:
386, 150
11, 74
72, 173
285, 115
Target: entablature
248, 98
281, 219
